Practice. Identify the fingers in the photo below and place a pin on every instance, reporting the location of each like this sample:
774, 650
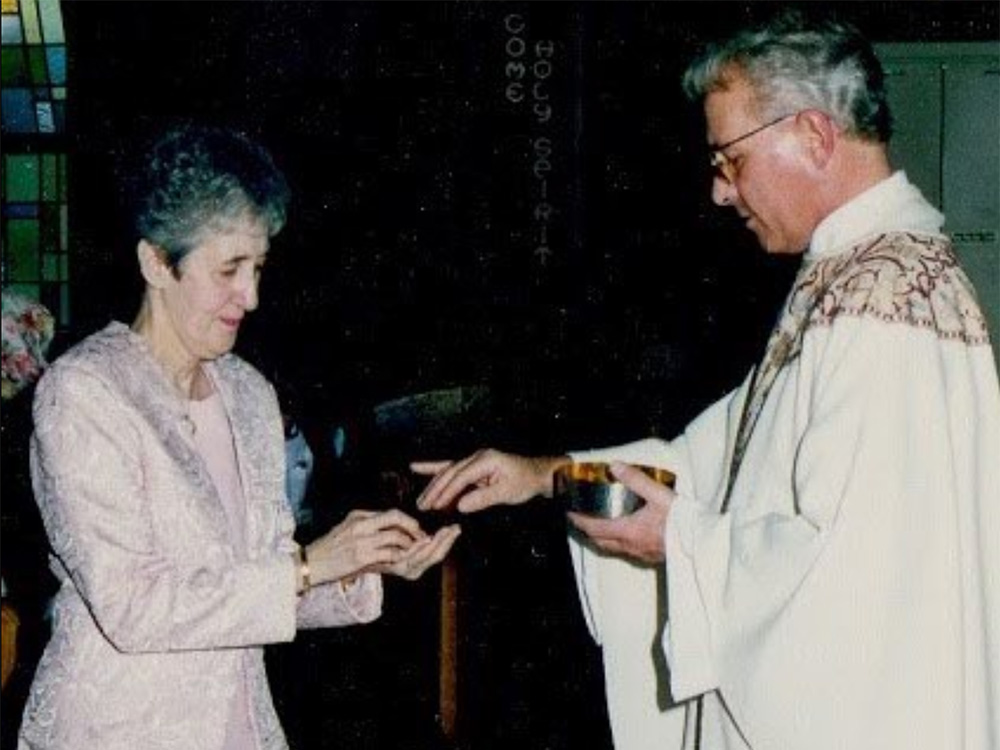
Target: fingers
363, 539
430, 497
642, 484
431, 552
393, 538
387, 547
358, 514
373, 545
438, 548
639, 536
414, 562
442, 491
599, 530
368, 522
398, 519
429, 468
602, 533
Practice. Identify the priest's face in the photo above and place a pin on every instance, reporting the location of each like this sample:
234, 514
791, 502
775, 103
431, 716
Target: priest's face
760, 170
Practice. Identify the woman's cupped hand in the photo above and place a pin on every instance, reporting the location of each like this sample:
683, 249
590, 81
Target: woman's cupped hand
388, 542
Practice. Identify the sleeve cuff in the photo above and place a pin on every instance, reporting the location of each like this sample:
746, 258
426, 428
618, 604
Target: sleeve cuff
362, 597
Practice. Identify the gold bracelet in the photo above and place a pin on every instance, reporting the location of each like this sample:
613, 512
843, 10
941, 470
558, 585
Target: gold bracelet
304, 573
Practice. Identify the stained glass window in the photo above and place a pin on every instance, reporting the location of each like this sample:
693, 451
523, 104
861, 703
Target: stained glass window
33, 69
35, 257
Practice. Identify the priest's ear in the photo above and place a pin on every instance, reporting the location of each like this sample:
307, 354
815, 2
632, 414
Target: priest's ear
820, 135
154, 265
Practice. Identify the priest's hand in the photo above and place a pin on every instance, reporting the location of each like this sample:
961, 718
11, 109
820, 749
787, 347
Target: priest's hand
639, 535
484, 479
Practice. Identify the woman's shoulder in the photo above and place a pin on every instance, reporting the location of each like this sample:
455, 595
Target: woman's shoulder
96, 371
95, 354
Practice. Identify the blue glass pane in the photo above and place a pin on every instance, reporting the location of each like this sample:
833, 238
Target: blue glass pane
12, 33
18, 111
20, 210
46, 118
57, 65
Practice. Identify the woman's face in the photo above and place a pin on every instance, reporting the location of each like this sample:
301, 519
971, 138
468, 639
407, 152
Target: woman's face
216, 287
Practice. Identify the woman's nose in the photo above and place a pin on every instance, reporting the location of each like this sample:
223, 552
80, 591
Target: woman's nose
249, 293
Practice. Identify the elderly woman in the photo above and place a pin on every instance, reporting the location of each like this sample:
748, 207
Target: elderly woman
158, 465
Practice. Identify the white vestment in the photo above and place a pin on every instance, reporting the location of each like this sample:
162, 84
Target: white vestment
833, 557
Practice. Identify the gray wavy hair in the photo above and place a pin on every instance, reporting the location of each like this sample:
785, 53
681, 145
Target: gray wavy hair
792, 63
196, 179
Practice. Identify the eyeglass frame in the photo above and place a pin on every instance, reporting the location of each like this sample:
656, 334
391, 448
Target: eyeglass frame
720, 162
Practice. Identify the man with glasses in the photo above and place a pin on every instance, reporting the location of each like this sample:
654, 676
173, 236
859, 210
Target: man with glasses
831, 569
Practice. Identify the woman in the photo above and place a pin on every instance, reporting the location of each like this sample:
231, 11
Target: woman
158, 464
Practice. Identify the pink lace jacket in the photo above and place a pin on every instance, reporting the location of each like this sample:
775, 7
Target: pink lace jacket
161, 613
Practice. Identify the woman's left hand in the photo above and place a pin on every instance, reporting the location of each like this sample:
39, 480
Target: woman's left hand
422, 554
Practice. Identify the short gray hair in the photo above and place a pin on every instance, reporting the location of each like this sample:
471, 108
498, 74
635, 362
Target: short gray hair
195, 179
794, 63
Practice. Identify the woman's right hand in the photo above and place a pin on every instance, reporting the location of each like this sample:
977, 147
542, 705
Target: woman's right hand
364, 540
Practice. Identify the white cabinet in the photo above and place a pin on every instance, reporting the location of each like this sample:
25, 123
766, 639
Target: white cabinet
945, 99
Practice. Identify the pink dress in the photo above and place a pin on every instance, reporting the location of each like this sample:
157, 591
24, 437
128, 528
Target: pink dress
214, 440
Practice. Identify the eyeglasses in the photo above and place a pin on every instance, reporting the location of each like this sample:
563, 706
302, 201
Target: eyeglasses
724, 166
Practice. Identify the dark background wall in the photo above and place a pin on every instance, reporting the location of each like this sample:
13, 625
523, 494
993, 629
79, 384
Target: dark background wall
421, 252
550, 242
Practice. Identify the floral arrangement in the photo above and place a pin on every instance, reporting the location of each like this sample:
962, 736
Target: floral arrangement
28, 328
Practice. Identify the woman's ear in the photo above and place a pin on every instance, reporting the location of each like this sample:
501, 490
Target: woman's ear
153, 264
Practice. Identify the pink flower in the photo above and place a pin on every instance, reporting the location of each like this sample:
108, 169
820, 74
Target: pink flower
27, 331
